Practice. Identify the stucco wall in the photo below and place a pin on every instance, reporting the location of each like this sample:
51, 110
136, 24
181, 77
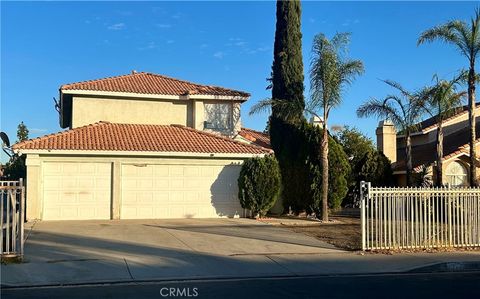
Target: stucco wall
35, 179
88, 110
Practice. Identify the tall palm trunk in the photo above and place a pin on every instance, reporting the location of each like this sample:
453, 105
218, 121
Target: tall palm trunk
471, 117
408, 152
439, 171
325, 169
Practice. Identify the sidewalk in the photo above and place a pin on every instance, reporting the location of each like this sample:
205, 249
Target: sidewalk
84, 252
211, 266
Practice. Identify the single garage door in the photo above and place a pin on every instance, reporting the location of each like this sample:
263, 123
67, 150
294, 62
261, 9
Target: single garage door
179, 191
76, 191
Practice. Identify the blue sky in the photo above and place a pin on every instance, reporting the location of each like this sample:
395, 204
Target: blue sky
46, 44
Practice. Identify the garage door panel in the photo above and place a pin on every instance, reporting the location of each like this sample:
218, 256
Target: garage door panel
52, 184
76, 191
129, 183
86, 197
180, 191
176, 197
176, 184
161, 171
161, 184
192, 171
194, 183
206, 171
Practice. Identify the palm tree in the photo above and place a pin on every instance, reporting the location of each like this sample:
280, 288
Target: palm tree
442, 99
330, 72
465, 37
403, 110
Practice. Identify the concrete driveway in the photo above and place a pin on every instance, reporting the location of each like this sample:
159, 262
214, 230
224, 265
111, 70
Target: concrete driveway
70, 251
85, 252
53, 241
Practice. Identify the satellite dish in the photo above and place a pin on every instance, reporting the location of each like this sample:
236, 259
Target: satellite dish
6, 144
5, 140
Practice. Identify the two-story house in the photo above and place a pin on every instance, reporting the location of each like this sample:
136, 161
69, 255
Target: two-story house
140, 146
456, 148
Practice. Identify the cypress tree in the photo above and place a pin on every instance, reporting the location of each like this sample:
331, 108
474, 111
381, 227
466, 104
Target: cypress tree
287, 85
287, 68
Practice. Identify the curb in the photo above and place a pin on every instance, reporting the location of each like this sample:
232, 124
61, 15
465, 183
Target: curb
445, 267
448, 267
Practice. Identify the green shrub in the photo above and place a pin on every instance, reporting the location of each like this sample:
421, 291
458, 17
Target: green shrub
338, 174
259, 184
375, 168
301, 168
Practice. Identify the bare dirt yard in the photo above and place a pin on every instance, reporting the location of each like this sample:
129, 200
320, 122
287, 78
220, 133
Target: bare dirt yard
342, 231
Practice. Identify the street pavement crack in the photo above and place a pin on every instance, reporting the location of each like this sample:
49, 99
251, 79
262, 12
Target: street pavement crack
128, 269
180, 240
282, 266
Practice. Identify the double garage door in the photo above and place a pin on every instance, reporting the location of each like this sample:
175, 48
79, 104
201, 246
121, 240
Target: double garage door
76, 191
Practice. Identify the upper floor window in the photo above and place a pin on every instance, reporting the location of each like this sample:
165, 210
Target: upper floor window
456, 174
218, 116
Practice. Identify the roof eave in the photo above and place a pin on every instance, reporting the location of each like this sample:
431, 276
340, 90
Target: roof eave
153, 96
137, 153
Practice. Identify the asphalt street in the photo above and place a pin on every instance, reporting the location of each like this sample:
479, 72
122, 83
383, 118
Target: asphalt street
420, 285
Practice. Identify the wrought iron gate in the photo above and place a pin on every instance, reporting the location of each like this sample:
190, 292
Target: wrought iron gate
12, 216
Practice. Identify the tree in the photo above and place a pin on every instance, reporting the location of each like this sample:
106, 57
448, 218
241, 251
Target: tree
330, 72
286, 84
404, 110
355, 144
441, 101
338, 175
287, 68
259, 184
466, 38
22, 132
375, 168
16, 168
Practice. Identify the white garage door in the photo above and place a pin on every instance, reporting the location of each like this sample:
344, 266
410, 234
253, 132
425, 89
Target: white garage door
76, 191
179, 191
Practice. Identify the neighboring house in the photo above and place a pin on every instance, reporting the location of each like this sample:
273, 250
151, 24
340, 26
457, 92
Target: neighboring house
254, 137
139, 146
456, 148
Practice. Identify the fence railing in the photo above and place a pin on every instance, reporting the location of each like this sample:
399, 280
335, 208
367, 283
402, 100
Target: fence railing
408, 218
12, 213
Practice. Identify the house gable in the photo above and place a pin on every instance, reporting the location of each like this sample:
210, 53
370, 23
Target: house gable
145, 98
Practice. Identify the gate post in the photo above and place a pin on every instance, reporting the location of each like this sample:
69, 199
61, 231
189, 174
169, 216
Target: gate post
363, 192
22, 216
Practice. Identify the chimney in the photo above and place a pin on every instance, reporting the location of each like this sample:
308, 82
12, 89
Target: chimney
317, 121
387, 139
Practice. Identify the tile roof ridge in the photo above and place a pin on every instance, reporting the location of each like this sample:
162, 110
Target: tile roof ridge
198, 85
222, 138
253, 130
464, 109
102, 79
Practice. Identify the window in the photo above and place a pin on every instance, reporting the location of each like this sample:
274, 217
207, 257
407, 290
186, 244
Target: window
456, 174
218, 116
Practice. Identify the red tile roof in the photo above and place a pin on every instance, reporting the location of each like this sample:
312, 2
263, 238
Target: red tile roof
148, 83
256, 137
104, 136
425, 154
431, 123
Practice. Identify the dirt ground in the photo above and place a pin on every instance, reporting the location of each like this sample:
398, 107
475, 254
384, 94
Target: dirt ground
342, 232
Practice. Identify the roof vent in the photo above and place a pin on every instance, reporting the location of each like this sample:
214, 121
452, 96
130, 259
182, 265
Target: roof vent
134, 72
